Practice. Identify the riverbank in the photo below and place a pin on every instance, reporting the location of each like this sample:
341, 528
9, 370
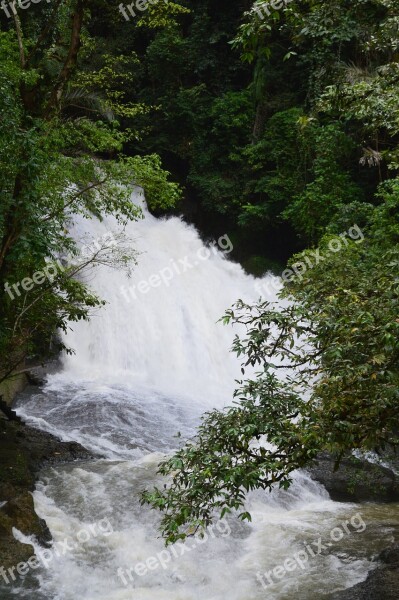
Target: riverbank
23, 452
356, 480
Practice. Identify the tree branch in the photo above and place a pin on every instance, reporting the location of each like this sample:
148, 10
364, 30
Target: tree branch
18, 29
45, 31
72, 200
70, 61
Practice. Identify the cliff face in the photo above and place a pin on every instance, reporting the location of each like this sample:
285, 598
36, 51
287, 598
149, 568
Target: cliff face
23, 451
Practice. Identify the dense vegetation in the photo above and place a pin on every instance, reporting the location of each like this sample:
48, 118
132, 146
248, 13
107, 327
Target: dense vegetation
307, 150
282, 128
61, 154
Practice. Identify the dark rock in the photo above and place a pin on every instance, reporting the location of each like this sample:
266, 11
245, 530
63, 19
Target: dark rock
8, 412
381, 584
37, 375
390, 556
35, 378
356, 480
23, 451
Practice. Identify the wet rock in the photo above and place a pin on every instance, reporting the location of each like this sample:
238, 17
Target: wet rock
381, 584
35, 378
356, 480
37, 375
6, 411
23, 451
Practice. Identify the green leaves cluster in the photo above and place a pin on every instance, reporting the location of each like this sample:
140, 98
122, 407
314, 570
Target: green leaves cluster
276, 124
327, 378
62, 138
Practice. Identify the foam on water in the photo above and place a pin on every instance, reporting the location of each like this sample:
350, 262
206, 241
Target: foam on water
225, 565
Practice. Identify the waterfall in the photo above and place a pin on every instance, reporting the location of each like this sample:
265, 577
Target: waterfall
160, 327
146, 366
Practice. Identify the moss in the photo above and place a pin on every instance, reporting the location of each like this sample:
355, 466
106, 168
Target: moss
13, 385
14, 468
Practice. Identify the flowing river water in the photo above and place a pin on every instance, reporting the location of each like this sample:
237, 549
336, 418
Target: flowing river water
147, 366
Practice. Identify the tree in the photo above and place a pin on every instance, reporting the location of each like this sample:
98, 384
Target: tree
337, 342
254, 40
60, 156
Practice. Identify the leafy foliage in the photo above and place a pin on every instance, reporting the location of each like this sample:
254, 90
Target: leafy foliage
284, 129
337, 344
60, 156
320, 164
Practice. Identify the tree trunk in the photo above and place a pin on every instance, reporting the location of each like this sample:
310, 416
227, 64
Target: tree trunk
260, 120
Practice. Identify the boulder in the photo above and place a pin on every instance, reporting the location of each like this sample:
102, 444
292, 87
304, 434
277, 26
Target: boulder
356, 480
23, 451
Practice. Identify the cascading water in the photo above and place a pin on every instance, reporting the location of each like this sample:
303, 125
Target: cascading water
146, 367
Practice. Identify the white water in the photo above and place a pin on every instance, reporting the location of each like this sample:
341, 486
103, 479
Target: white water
144, 370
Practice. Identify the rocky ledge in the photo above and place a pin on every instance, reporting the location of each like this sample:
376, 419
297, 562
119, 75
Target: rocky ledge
381, 584
356, 480
23, 452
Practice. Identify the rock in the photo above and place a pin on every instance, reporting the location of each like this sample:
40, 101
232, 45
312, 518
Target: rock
23, 451
381, 584
35, 377
356, 480
8, 412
